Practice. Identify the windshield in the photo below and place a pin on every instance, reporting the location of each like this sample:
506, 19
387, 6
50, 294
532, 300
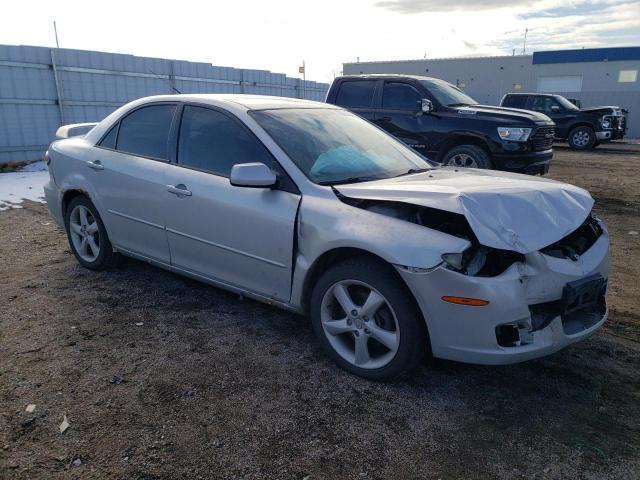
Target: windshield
565, 103
335, 146
447, 94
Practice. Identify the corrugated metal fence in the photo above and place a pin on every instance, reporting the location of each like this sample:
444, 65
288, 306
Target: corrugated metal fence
43, 88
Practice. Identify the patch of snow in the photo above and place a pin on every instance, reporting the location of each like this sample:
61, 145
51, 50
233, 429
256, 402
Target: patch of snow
25, 184
35, 167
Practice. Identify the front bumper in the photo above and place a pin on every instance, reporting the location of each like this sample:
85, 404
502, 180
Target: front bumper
532, 163
469, 333
606, 135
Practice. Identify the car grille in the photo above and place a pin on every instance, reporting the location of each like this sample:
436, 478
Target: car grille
542, 139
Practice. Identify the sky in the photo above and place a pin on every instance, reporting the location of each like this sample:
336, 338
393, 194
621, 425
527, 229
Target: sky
278, 35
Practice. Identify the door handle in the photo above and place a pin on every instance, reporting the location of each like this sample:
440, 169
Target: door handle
95, 165
180, 190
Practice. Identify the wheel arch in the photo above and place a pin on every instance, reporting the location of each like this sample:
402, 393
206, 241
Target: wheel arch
459, 139
69, 195
333, 257
581, 123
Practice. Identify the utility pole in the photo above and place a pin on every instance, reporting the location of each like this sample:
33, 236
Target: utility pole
524, 45
55, 31
303, 71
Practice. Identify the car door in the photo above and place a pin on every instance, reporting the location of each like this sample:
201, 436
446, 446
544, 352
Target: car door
130, 164
400, 115
236, 235
550, 107
358, 96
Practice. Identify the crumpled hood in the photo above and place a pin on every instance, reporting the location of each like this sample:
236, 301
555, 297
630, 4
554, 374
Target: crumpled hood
604, 110
505, 210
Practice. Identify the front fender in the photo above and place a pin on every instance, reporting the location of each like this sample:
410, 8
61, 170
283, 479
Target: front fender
326, 224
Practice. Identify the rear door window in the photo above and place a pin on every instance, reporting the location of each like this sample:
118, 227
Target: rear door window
356, 94
109, 140
515, 101
400, 96
145, 132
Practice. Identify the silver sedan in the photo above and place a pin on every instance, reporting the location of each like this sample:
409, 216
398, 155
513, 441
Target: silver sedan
308, 207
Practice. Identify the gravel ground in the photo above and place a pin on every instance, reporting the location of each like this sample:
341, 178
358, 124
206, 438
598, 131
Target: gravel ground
161, 377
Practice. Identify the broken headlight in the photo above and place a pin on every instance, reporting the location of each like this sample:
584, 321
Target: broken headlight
470, 262
481, 261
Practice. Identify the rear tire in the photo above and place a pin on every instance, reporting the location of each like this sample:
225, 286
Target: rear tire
87, 236
383, 334
582, 138
467, 156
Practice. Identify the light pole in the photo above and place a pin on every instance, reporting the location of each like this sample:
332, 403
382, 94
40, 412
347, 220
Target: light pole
55, 31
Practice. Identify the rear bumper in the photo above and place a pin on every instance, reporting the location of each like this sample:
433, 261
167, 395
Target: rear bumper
471, 333
54, 201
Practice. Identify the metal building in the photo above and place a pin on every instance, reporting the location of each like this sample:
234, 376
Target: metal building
43, 88
597, 76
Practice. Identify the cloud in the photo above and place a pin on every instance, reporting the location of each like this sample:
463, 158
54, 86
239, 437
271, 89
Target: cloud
610, 24
578, 8
470, 45
421, 6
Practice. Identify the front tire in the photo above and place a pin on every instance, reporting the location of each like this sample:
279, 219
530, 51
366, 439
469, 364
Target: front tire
467, 156
367, 320
87, 236
582, 138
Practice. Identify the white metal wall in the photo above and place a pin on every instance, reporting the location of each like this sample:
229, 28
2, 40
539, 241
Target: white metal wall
43, 88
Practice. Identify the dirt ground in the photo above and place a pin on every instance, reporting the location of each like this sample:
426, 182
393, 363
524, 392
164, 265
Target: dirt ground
161, 377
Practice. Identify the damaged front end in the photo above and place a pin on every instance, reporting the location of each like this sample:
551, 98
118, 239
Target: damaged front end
527, 304
477, 260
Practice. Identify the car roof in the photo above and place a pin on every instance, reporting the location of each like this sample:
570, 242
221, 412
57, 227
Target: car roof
249, 102
536, 94
392, 76
236, 103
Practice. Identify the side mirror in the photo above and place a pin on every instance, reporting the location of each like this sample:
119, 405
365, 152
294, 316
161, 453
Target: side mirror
555, 108
254, 175
426, 105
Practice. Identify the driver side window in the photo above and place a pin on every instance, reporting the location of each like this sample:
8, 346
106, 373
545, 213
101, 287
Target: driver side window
210, 140
544, 104
400, 96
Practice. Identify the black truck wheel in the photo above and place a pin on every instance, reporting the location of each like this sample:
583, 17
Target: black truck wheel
582, 138
468, 156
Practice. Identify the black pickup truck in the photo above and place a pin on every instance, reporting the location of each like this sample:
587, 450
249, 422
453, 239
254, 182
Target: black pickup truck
583, 128
446, 125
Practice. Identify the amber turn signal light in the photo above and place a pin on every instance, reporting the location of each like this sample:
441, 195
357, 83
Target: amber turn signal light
472, 302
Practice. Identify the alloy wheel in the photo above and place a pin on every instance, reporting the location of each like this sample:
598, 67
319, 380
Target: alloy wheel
462, 160
581, 138
360, 324
85, 234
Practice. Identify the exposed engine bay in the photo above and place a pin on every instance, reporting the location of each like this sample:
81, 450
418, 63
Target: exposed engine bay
478, 260
577, 242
